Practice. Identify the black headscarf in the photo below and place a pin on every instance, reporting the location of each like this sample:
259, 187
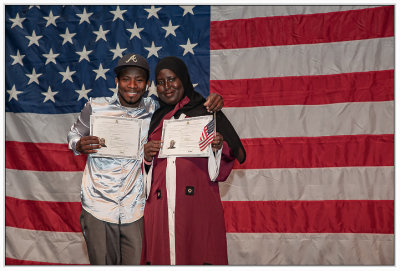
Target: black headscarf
195, 106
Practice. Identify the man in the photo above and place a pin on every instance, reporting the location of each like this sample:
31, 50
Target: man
112, 188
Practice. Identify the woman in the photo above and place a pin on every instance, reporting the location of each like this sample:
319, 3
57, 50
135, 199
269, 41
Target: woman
183, 218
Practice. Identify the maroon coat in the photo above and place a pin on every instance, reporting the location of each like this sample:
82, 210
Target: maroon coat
200, 235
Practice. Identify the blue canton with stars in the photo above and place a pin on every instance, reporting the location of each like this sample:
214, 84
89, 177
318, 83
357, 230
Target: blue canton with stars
57, 57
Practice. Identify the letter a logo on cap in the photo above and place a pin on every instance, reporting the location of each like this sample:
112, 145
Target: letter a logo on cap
133, 58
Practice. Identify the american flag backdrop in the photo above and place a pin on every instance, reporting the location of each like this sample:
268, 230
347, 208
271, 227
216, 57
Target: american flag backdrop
310, 90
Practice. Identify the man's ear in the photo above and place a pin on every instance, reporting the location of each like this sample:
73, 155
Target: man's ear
147, 85
116, 82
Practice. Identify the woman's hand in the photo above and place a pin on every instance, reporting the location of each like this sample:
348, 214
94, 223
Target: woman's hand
214, 102
151, 148
88, 144
218, 141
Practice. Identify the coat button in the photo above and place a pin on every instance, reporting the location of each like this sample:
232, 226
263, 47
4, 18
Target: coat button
189, 190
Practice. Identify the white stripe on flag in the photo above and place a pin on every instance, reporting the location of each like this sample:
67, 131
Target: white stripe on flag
43, 186
272, 121
45, 246
310, 249
221, 13
313, 120
42, 128
336, 183
300, 60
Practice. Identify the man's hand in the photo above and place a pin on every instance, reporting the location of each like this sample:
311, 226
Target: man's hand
151, 148
88, 144
214, 102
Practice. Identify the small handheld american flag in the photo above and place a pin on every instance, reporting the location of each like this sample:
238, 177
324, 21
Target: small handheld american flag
207, 136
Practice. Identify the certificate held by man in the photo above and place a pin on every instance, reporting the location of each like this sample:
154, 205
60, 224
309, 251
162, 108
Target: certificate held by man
181, 137
119, 136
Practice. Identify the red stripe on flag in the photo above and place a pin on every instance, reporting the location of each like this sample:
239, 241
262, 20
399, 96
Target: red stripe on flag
43, 215
303, 29
307, 90
42, 157
333, 216
206, 142
11, 261
313, 152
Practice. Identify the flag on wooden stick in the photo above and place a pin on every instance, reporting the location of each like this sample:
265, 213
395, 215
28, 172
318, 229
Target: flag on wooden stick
207, 136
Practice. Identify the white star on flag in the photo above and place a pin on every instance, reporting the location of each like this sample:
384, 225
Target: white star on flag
13, 92
153, 89
187, 9
118, 13
100, 72
49, 95
153, 50
84, 16
101, 34
135, 31
170, 29
17, 21
115, 90
36, 6
117, 51
33, 39
67, 36
50, 57
152, 12
67, 75
33, 77
51, 19
17, 58
188, 47
83, 92
84, 54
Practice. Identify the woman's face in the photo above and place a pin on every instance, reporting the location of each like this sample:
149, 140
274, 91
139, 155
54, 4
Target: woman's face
169, 87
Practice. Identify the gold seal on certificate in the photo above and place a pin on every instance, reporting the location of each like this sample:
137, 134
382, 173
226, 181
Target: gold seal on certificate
119, 137
181, 137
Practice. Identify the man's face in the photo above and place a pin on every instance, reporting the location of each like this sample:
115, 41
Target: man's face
169, 87
131, 86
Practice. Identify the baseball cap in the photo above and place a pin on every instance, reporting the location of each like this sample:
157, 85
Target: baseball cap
135, 60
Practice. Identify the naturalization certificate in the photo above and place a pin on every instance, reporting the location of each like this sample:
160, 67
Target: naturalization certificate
181, 137
119, 136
